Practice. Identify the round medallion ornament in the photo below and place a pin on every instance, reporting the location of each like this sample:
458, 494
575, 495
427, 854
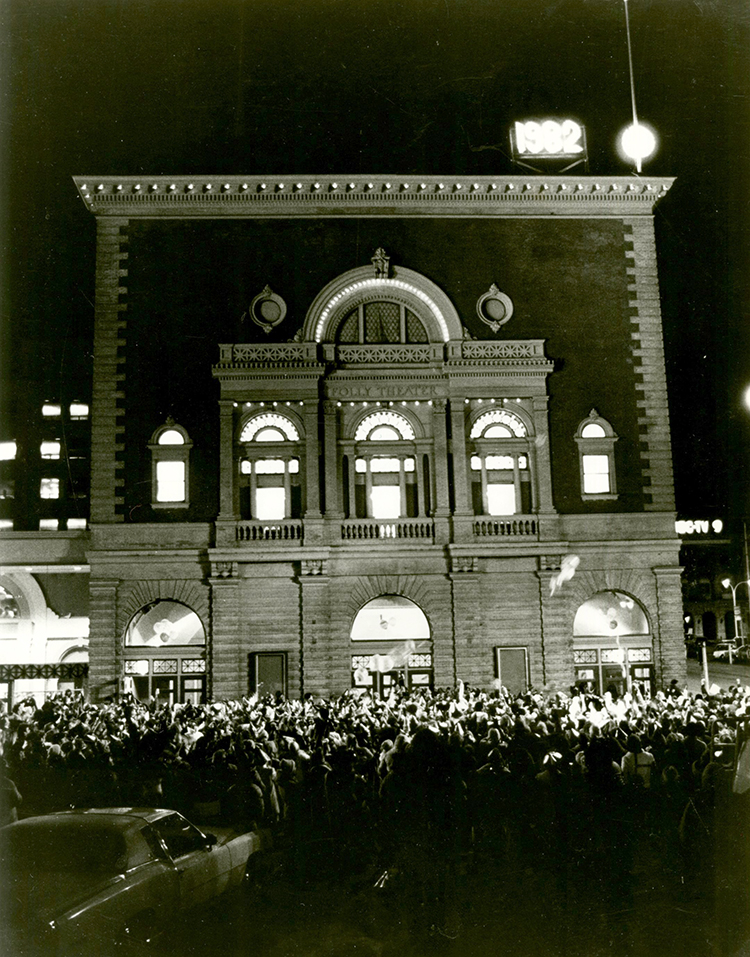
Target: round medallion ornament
267, 310
494, 308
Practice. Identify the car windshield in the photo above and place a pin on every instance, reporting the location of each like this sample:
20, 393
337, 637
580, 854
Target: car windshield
63, 846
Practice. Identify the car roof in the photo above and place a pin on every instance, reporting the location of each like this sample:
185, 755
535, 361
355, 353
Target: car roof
121, 818
147, 814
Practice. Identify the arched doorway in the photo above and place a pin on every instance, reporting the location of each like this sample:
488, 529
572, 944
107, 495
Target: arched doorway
612, 644
394, 645
165, 654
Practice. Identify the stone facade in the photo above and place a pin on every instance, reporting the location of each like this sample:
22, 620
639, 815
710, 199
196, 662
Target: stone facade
375, 387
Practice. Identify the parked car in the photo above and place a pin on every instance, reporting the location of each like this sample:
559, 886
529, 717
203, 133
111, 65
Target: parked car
78, 882
721, 651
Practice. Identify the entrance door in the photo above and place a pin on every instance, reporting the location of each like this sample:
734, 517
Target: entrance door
513, 669
612, 676
268, 673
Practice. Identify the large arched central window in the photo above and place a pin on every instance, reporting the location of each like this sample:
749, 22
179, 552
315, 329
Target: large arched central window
500, 464
385, 467
375, 322
270, 468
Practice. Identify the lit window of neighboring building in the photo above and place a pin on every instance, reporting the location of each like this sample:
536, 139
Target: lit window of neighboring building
51, 410
170, 447
501, 474
8, 451
6, 523
49, 488
79, 410
596, 439
76, 523
48, 524
50, 450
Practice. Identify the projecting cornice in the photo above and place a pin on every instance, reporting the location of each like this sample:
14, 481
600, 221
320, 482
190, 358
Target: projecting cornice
289, 196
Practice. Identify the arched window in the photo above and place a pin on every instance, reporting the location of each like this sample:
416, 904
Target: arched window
393, 644
385, 467
500, 459
165, 654
269, 468
612, 642
596, 439
170, 447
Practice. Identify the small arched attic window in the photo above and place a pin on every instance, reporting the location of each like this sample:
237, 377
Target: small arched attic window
170, 447
596, 439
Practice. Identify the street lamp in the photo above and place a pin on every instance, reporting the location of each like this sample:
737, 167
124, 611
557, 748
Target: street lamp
637, 141
727, 583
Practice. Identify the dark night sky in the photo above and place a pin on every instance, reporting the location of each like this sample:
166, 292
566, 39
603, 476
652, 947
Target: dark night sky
99, 87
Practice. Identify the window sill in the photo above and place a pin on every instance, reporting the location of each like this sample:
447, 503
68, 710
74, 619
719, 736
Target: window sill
170, 505
599, 497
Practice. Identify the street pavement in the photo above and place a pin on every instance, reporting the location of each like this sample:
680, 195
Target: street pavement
720, 673
522, 907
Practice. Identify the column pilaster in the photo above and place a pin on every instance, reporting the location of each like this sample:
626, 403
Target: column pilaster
330, 451
543, 470
105, 644
107, 414
312, 469
227, 664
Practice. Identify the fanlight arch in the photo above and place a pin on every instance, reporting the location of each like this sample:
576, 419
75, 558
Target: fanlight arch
498, 423
610, 614
419, 294
269, 427
165, 622
384, 425
390, 618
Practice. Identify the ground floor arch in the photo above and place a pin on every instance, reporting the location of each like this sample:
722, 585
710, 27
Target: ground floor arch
164, 654
613, 643
391, 644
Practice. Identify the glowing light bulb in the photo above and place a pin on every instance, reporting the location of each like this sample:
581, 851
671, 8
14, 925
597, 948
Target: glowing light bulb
638, 142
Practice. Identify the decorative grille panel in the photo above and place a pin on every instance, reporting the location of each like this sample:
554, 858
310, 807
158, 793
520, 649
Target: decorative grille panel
193, 666
415, 331
137, 667
639, 654
165, 666
420, 661
382, 322
586, 657
349, 330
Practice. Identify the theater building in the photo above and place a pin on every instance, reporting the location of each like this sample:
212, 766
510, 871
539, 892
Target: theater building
348, 431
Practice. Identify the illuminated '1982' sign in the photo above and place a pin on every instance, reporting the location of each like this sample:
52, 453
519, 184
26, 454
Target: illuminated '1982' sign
549, 138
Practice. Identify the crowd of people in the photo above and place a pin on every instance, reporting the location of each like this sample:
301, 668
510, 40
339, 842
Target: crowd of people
413, 783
